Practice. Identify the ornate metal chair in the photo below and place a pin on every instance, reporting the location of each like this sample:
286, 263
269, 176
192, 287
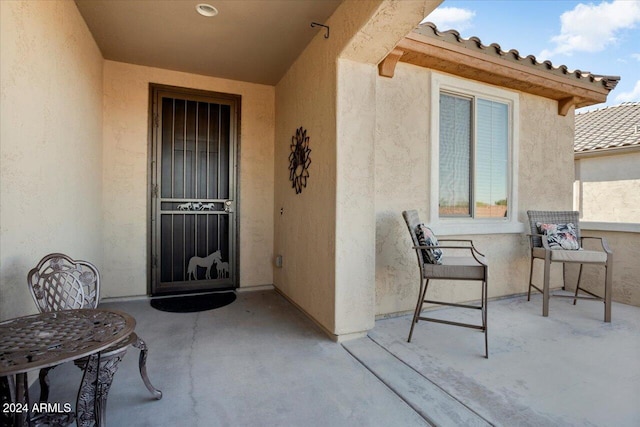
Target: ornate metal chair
544, 246
61, 283
470, 267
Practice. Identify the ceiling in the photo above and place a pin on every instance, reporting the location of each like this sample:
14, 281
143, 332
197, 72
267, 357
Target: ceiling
249, 40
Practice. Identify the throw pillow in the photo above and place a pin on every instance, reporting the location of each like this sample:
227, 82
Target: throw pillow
560, 236
427, 238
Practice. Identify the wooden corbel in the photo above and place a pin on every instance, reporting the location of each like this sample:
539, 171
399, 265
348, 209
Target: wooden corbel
387, 67
565, 104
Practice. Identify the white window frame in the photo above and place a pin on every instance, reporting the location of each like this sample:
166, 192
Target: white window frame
456, 225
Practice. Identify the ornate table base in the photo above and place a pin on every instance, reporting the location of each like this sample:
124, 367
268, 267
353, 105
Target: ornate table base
47, 339
91, 404
94, 390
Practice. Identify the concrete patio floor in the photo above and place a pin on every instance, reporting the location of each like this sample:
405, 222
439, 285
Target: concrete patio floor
259, 361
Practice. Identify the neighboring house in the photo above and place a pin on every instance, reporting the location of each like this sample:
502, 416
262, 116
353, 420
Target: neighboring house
607, 192
468, 134
607, 164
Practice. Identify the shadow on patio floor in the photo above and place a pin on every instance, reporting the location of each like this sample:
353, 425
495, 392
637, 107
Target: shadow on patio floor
259, 361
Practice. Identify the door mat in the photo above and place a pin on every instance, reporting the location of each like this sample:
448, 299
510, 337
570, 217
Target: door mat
193, 303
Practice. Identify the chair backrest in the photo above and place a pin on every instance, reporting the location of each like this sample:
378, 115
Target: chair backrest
61, 283
551, 217
413, 220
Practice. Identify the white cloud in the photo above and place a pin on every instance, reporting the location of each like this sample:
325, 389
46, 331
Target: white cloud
636, 56
591, 28
634, 95
447, 18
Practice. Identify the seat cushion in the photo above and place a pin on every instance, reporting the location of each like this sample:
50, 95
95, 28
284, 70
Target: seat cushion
581, 256
460, 268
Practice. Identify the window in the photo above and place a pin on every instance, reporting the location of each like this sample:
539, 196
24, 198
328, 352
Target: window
474, 147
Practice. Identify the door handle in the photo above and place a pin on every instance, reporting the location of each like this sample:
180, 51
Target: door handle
227, 205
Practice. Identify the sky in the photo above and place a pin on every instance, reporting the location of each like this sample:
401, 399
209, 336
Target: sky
602, 37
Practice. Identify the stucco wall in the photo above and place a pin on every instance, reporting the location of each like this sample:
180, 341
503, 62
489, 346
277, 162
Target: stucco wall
626, 252
50, 143
305, 225
607, 188
126, 110
402, 182
326, 233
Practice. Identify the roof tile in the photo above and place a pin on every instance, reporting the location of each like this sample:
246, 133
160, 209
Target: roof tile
611, 127
429, 29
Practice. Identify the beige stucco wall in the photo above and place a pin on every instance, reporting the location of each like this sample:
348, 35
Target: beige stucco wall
607, 188
50, 143
326, 233
355, 197
402, 182
126, 155
305, 226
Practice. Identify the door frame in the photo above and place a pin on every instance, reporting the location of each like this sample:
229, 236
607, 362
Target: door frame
153, 122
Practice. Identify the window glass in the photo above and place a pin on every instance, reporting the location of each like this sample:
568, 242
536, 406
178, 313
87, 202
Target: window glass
455, 155
473, 157
492, 148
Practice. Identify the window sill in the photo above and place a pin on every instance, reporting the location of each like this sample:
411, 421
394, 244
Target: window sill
458, 227
624, 227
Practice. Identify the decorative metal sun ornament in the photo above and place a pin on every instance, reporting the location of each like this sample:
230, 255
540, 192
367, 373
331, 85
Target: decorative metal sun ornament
299, 160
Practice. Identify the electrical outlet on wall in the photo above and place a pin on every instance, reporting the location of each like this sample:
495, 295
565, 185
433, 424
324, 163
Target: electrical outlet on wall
279, 261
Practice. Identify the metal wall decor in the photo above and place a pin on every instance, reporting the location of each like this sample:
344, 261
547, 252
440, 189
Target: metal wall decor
299, 160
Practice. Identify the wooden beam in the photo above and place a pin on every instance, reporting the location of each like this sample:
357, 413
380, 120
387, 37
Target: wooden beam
565, 104
387, 67
490, 67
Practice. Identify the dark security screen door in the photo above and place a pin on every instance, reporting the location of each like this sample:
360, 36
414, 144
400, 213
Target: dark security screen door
193, 192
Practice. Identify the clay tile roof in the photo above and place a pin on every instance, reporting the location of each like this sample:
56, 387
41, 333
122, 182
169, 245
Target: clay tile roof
429, 29
611, 127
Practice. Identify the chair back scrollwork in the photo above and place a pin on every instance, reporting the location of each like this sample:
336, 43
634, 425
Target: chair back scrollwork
61, 283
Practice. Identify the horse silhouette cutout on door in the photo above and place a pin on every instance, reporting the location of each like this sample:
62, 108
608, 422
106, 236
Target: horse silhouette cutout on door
207, 262
222, 269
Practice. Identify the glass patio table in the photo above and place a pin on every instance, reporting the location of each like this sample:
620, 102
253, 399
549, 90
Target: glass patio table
49, 339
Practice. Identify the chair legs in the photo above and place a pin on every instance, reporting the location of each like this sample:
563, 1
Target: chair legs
608, 289
575, 297
530, 280
608, 273
546, 294
418, 309
43, 378
142, 364
419, 303
485, 324
545, 289
483, 306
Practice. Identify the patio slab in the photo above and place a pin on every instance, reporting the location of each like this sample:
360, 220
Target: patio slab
425, 397
568, 369
259, 361
256, 362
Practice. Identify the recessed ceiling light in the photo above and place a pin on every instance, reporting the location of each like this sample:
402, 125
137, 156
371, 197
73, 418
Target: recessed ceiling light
206, 10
